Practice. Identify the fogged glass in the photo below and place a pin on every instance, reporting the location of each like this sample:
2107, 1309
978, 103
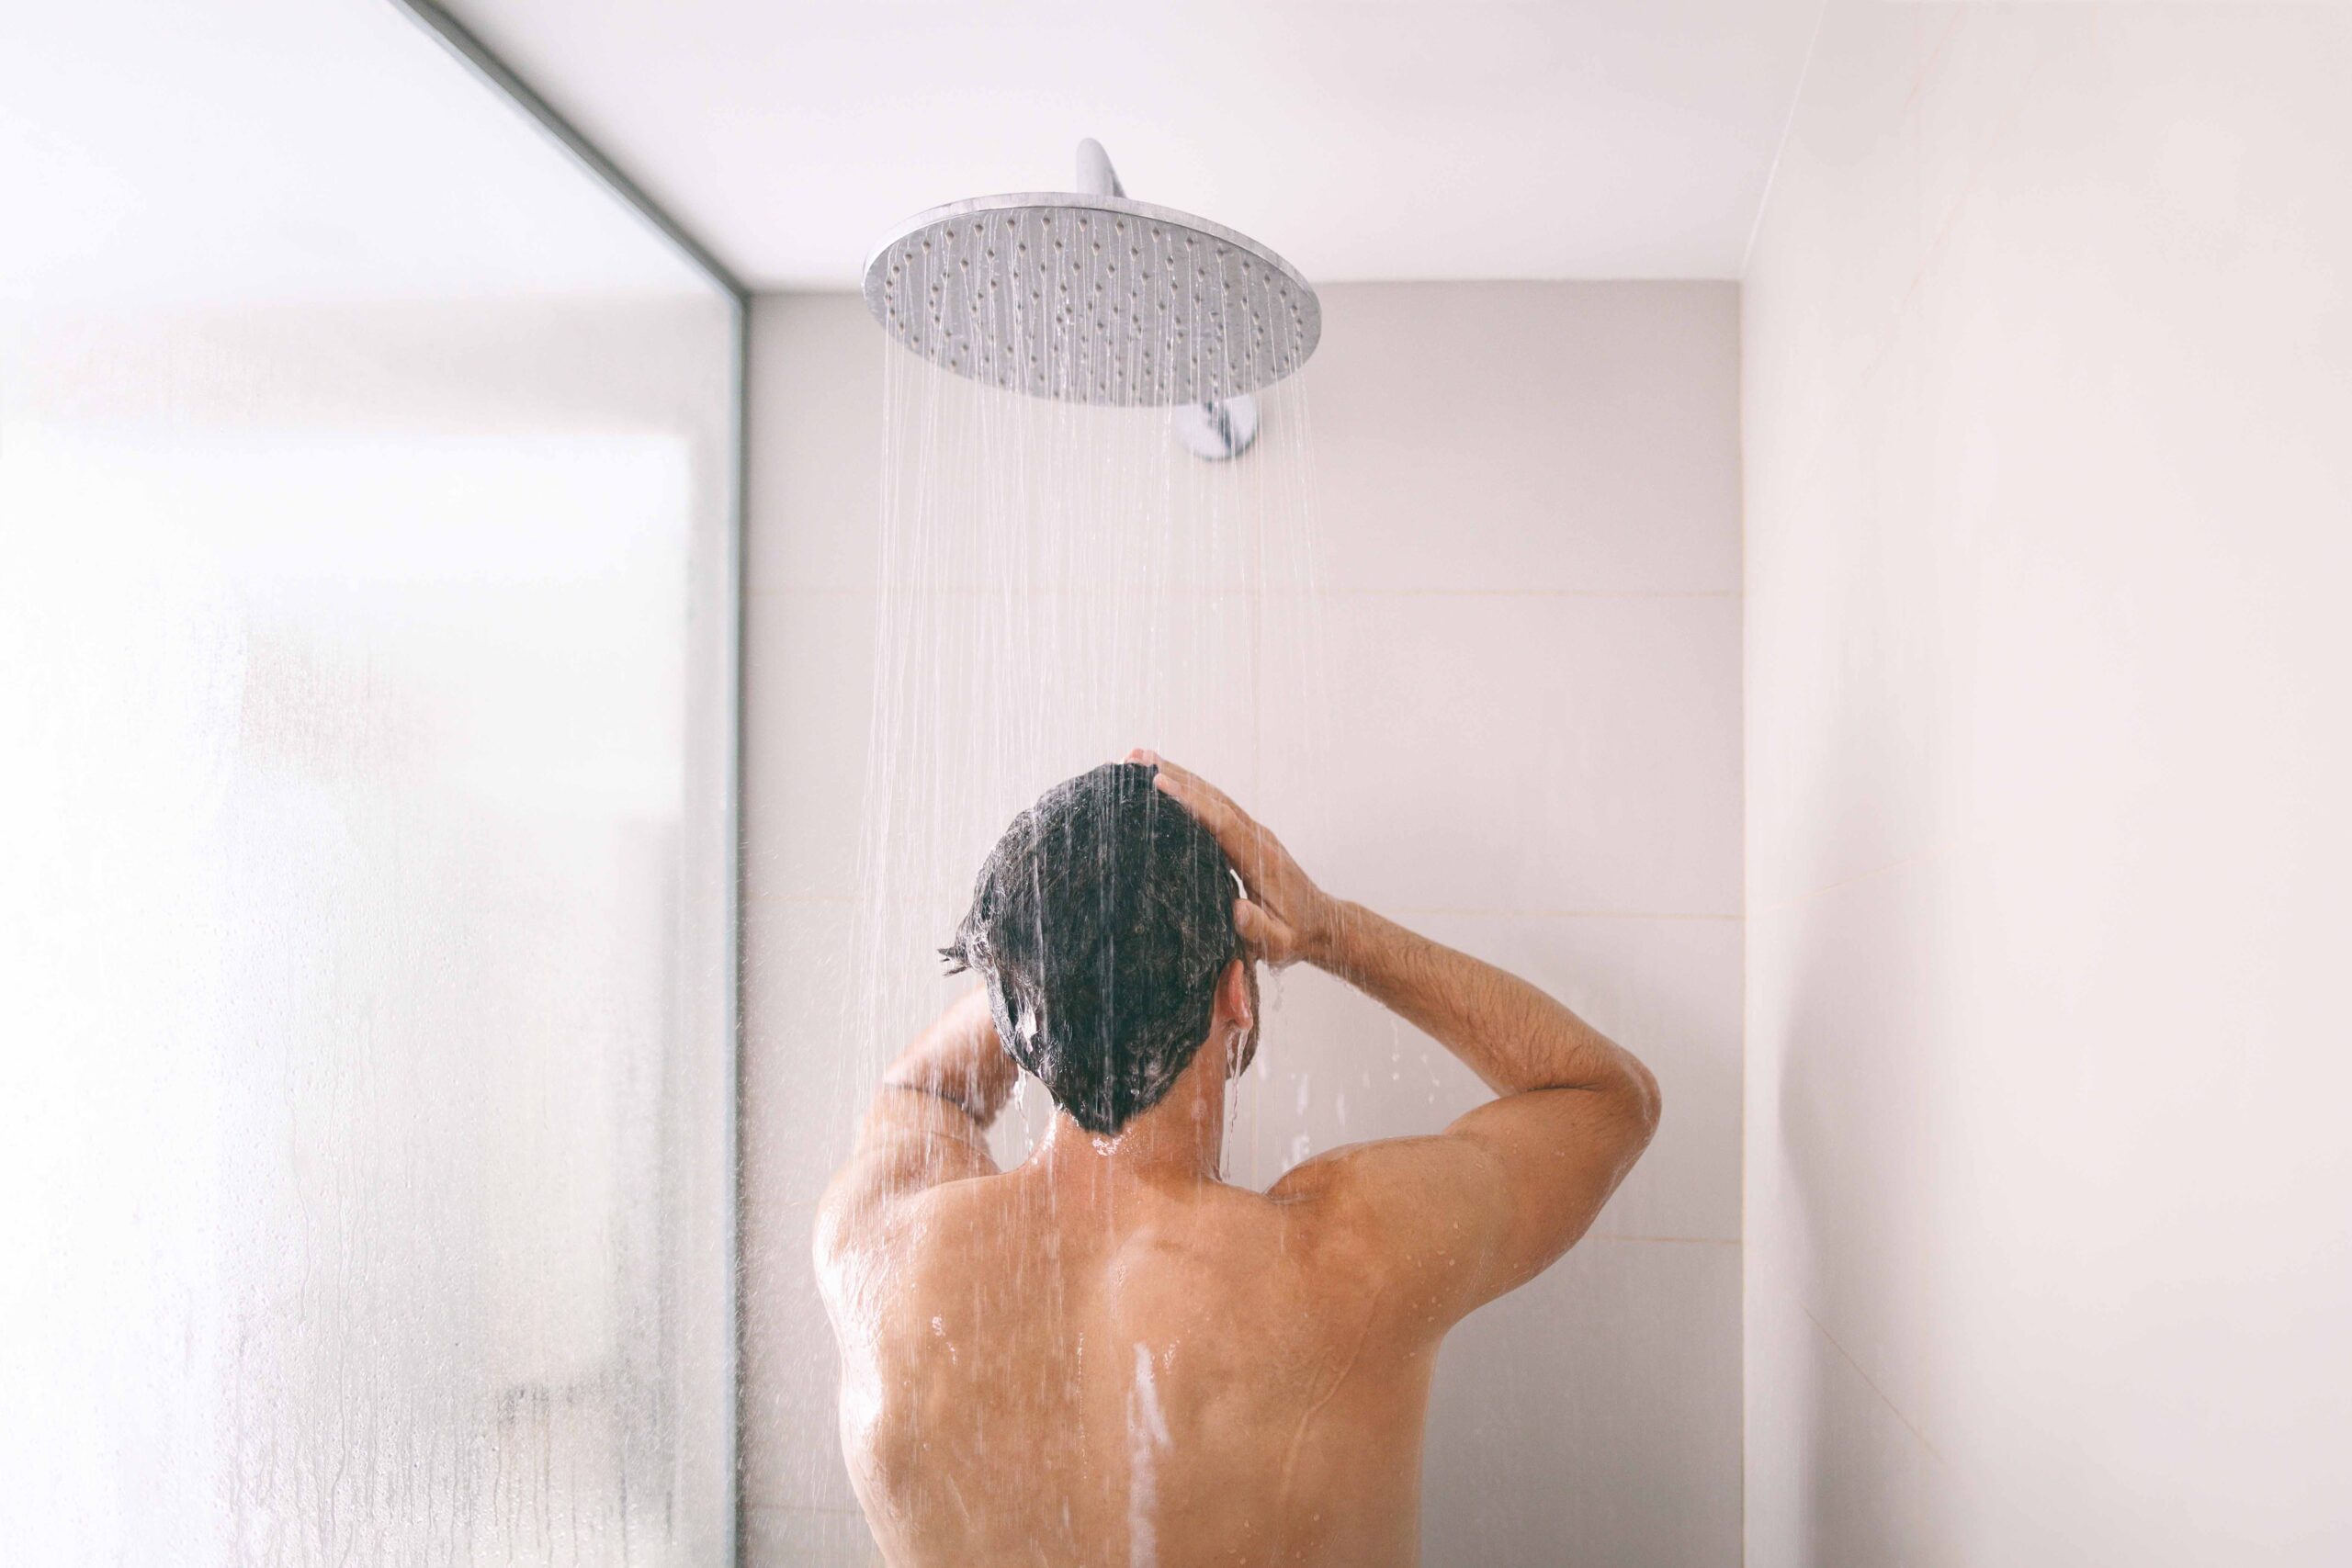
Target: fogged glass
366, 696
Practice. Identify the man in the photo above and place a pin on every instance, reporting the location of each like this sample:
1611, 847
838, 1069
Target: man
1107, 1355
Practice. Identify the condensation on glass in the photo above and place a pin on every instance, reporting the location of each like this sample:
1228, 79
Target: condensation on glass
366, 708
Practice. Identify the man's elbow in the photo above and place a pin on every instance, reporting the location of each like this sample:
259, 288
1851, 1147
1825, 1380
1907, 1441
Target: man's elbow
828, 1238
1643, 1105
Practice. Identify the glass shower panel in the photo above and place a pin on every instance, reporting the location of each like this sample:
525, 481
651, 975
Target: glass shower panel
367, 675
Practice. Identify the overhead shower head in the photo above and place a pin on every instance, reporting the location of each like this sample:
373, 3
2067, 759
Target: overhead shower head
1091, 297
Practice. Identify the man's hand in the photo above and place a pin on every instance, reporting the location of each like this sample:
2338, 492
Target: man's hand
1285, 917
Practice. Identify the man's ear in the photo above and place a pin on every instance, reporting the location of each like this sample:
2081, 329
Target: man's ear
1236, 1006
1237, 1016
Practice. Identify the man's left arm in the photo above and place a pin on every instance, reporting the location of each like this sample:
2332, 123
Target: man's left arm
931, 1112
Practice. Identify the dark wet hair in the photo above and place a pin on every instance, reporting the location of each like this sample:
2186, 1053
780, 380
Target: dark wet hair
1102, 922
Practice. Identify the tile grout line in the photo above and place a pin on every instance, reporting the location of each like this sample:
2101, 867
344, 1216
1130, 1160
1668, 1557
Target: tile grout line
1553, 914
795, 591
1870, 1382
836, 901
1531, 593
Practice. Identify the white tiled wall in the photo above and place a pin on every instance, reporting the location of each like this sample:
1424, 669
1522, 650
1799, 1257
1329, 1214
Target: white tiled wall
1525, 739
2047, 369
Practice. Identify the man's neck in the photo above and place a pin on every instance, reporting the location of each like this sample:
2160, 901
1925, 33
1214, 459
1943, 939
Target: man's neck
1179, 1139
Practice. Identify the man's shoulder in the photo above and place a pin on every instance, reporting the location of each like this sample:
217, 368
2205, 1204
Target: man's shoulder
1343, 1190
901, 1257
894, 1202
1376, 1214
1312, 1219
862, 1223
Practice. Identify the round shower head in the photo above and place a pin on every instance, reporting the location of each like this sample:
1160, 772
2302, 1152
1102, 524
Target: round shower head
1092, 298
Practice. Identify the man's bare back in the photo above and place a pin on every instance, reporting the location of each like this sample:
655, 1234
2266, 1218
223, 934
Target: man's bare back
1109, 1355
1175, 1372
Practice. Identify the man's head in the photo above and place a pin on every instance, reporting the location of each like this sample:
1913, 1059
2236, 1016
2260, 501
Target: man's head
1103, 922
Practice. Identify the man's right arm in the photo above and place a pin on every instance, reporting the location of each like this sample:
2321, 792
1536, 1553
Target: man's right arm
1520, 1179
1467, 1214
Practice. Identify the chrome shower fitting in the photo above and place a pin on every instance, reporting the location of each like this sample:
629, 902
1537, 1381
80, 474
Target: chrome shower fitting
1089, 296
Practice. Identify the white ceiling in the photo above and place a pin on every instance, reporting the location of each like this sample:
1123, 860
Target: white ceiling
1363, 138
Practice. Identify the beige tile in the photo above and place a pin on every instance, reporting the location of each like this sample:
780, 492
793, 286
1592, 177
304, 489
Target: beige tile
1050, 500
985, 705
1514, 754
1593, 1417
813, 497
863, 467
1525, 436
808, 707
1606, 460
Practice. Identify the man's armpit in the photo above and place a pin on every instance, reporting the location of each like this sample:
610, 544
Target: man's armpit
939, 1094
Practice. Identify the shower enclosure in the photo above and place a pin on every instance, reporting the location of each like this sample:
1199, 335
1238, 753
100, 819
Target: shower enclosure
368, 664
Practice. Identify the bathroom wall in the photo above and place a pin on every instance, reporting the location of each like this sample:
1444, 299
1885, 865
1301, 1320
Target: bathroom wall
2047, 369
1528, 745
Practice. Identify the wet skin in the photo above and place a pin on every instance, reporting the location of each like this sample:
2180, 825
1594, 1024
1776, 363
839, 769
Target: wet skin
1109, 1355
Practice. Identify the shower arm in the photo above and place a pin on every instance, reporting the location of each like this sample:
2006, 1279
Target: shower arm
1095, 175
1220, 429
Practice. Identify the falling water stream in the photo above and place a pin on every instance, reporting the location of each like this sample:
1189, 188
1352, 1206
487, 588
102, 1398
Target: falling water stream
1059, 583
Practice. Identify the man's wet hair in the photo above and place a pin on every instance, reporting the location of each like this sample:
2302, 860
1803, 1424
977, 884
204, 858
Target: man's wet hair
1102, 922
